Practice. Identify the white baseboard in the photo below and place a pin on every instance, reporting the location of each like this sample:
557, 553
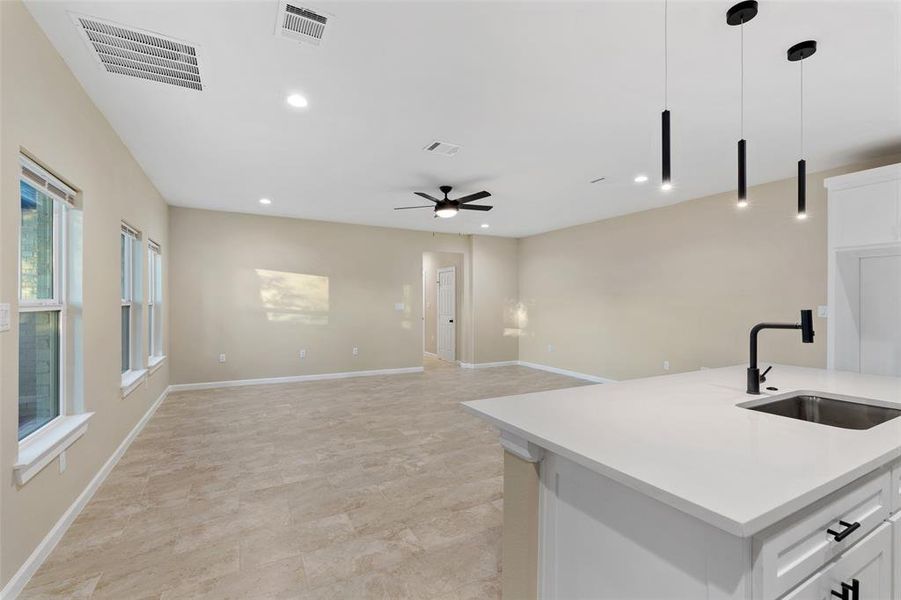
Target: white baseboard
18, 581
566, 372
488, 365
181, 387
431, 354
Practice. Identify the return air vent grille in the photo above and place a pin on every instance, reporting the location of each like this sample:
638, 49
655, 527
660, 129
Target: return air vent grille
443, 148
302, 24
126, 51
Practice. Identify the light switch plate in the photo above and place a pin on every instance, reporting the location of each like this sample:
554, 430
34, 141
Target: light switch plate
4, 317
399, 306
823, 311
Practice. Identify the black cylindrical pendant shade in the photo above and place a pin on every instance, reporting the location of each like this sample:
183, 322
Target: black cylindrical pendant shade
802, 188
742, 172
665, 175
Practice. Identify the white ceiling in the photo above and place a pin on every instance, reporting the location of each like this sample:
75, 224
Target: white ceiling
542, 96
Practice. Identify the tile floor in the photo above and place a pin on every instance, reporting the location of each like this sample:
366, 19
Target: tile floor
372, 487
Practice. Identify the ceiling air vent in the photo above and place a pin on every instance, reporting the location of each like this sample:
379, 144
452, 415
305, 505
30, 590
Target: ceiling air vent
299, 23
143, 54
443, 148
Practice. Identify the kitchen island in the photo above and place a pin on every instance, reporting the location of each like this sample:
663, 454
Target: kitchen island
664, 488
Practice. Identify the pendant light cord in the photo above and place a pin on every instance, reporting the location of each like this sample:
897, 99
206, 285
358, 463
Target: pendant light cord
802, 107
742, 85
666, 54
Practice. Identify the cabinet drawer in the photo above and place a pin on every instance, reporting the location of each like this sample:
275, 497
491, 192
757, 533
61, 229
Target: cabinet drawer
867, 567
792, 550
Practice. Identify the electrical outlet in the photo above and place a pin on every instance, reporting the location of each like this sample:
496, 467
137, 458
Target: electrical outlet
62, 462
303, 353
550, 347
666, 365
222, 358
356, 351
823, 311
399, 306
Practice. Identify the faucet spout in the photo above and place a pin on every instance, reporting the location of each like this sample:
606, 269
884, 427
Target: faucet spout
807, 333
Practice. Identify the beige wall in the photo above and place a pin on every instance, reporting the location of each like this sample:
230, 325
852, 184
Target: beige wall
46, 112
495, 285
683, 283
431, 262
253, 288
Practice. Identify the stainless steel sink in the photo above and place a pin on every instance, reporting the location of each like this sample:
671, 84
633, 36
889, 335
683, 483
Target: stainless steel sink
834, 410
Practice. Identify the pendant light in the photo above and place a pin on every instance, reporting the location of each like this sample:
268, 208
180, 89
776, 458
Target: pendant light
798, 53
738, 15
665, 174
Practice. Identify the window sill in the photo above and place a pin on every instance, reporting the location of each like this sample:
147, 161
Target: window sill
155, 362
37, 450
131, 380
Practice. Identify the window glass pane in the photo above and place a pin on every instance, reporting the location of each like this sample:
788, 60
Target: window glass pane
36, 245
150, 330
38, 369
123, 271
126, 330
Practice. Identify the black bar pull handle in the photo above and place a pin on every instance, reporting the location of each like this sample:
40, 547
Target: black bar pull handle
849, 528
850, 591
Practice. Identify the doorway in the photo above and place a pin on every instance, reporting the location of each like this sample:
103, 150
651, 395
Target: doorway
442, 276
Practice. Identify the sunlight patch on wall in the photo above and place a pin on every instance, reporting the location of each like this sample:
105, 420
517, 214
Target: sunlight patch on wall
294, 297
516, 317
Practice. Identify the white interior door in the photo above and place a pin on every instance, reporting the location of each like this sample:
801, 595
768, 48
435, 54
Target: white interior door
447, 313
880, 315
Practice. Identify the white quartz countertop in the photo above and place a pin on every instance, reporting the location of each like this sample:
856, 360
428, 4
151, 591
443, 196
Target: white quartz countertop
682, 440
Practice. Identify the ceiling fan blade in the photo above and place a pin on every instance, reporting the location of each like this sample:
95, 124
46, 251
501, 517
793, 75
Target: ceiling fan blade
473, 197
426, 196
409, 207
474, 207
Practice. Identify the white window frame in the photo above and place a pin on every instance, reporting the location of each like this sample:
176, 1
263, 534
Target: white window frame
136, 373
154, 305
45, 443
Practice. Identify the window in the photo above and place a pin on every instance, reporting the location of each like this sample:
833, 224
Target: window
44, 202
132, 350
154, 303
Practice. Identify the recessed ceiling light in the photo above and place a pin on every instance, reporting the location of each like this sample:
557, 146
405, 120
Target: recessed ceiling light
297, 101
641, 178
265, 201
666, 186
485, 225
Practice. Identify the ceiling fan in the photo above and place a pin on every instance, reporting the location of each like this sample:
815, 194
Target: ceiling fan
447, 208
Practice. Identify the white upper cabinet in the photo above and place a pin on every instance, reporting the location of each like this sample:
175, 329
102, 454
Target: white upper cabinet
865, 207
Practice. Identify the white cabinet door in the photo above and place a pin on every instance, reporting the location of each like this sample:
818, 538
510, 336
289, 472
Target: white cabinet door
880, 316
865, 215
867, 566
896, 554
